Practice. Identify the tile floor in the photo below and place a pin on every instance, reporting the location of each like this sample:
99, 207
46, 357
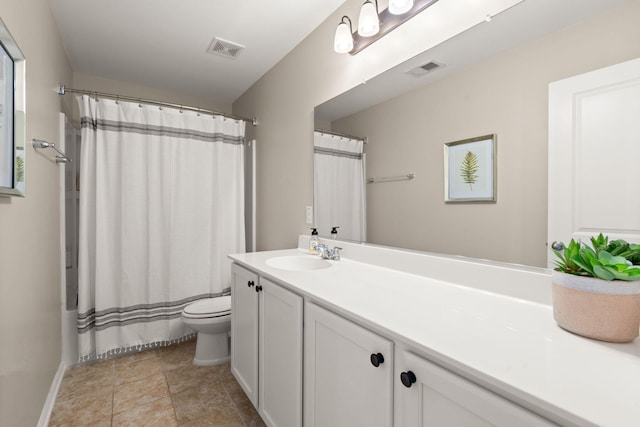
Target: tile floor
159, 387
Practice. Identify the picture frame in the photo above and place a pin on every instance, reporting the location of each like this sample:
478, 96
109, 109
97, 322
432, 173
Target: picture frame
470, 170
12, 116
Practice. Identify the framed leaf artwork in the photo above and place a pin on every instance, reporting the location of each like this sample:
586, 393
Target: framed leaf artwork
470, 170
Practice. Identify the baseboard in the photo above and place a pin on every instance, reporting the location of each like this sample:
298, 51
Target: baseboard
51, 397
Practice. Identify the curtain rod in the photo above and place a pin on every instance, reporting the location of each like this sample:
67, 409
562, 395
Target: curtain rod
344, 135
63, 90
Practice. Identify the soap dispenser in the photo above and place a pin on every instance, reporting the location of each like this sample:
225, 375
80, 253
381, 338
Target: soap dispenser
334, 232
313, 242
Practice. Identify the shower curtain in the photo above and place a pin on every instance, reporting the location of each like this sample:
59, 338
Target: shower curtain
339, 186
161, 206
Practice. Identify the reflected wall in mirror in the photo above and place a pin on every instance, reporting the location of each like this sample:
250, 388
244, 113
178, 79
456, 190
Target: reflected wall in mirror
12, 116
490, 79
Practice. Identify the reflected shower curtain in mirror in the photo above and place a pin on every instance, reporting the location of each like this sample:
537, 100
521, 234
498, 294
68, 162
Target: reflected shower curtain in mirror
339, 186
161, 207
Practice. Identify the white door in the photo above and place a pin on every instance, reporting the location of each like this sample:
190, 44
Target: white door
280, 355
428, 395
244, 330
342, 387
594, 149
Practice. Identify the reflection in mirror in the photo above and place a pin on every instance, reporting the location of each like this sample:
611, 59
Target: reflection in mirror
12, 116
489, 80
338, 185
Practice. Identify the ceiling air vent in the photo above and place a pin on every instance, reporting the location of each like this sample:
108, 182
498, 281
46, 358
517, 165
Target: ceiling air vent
225, 48
425, 68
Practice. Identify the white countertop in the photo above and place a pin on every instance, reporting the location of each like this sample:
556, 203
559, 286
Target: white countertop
509, 345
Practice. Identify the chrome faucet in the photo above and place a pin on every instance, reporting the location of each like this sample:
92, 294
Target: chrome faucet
323, 251
326, 253
334, 254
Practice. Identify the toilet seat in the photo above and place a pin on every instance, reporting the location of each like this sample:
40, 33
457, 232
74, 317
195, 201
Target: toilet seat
209, 308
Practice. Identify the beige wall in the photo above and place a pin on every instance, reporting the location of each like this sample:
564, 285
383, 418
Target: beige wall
506, 95
29, 229
284, 98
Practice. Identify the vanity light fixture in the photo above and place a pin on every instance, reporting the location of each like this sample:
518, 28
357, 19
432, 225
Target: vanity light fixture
373, 25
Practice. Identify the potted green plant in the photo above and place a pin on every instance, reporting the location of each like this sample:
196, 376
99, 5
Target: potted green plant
596, 289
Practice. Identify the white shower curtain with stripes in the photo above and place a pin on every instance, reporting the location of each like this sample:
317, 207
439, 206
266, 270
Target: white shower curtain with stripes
339, 198
161, 207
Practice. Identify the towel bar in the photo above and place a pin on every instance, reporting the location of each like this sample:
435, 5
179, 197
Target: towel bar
406, 177
61, 158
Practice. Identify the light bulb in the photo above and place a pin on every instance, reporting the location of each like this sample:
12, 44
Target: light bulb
343, 41
398, 7
368, 22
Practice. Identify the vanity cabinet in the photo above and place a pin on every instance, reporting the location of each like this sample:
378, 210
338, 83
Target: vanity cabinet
348, 371
428, 395
354, 372
266, 346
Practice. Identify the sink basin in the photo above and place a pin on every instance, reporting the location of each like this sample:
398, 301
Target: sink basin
298, 263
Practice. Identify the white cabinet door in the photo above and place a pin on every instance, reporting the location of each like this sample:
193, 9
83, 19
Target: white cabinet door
244, 330
594, 147
280, 355
342, 388
428, 395
266, 346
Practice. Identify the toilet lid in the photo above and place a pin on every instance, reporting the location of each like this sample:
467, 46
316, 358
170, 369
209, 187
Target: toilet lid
207, 307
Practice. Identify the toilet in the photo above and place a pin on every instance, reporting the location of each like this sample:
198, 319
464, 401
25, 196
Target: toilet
211, 319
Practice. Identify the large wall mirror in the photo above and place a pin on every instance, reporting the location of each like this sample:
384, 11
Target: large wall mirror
489, 80
12, 116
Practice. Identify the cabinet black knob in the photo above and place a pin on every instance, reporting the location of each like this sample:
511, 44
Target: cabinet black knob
250, 283
408, 378
377, 359
258, 288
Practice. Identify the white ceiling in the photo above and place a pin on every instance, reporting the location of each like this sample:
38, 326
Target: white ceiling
163, 43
